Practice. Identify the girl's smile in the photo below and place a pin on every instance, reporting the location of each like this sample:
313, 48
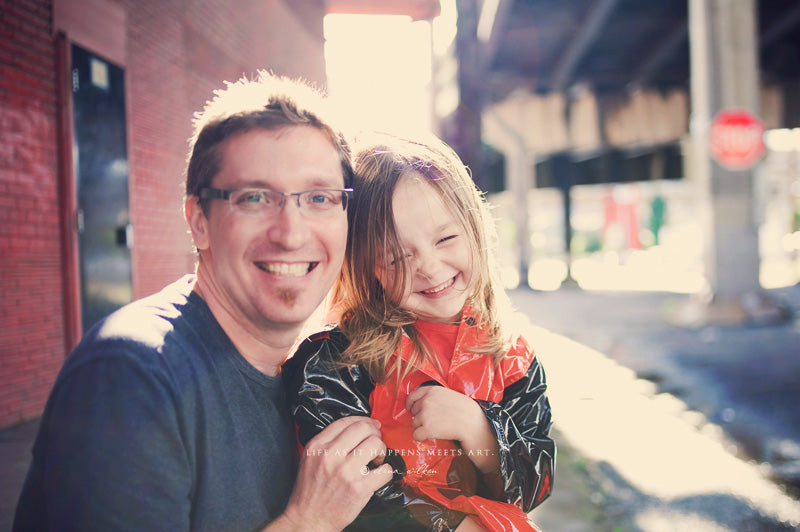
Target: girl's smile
438, 289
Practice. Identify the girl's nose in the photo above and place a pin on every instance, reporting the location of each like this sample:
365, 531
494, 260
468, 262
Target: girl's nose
427, 265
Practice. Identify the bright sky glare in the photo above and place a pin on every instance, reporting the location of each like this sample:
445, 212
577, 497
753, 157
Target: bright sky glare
379, 70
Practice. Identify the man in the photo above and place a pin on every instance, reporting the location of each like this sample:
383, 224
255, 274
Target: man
170, 414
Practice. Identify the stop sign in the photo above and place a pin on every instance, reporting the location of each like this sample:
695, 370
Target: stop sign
737, 139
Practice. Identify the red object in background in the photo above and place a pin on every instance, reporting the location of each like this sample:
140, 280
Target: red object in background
737, 139
625, 215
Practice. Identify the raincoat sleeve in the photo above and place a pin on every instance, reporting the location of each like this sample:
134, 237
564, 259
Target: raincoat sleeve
319, 391
521, 423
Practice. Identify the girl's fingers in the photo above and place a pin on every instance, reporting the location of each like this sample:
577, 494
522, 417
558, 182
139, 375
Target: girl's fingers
415, 399
420, 434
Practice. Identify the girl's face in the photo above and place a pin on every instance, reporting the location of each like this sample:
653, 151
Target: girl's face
437, 253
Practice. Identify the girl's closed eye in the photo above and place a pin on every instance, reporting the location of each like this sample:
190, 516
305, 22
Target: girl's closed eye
392, 263
446, 239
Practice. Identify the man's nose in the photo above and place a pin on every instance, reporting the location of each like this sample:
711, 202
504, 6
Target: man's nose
288, 228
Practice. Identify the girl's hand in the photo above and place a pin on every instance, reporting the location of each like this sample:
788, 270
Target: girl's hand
439, 412
470, 525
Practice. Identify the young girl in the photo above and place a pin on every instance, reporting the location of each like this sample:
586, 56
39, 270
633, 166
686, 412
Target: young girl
426, 346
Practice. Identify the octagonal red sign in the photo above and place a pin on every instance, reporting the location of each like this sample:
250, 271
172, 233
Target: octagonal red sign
737, 139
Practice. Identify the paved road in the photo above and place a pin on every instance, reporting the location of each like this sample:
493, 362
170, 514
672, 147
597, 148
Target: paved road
744, 378
728, 394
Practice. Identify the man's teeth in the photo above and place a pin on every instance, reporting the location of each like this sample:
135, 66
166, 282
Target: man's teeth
296, 269
439, 288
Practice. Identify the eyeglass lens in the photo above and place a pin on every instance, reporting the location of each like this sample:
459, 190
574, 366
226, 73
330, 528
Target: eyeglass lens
265, 201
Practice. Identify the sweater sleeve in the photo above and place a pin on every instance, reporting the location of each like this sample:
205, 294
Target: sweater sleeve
521, 422
320, 390
109, 455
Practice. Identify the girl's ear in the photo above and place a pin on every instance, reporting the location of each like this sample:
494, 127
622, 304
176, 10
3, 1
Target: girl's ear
198, 223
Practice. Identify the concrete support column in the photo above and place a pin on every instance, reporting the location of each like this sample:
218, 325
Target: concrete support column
521, 178
465, 135
724, 75
521, 168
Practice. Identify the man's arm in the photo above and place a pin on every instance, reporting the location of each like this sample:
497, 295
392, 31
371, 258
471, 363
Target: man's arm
108, 456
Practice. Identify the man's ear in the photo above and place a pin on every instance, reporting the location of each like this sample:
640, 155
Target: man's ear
198, 223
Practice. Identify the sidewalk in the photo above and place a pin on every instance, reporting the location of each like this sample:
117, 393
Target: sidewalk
15, 451
630, 458
652, 463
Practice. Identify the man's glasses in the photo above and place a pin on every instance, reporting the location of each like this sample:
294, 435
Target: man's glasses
266, 202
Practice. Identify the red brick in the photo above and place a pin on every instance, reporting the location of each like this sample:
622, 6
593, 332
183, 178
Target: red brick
177, 52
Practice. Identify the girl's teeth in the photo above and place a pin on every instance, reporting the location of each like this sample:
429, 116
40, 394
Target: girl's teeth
439, 288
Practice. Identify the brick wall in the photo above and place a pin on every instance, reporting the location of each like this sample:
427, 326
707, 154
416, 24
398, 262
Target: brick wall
31, 326
176, 53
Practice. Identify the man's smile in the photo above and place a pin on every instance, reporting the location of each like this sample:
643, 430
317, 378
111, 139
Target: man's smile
290, 269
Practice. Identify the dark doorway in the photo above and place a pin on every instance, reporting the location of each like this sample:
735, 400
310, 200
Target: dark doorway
100, 158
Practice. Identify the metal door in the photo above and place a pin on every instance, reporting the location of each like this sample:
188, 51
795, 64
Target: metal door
100, 159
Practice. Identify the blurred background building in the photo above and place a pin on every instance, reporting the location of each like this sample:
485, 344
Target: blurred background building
594, 126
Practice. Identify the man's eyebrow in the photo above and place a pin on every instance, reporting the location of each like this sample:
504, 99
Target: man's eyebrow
315, 183
327, 182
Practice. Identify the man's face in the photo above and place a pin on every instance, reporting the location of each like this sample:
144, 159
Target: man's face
271, 272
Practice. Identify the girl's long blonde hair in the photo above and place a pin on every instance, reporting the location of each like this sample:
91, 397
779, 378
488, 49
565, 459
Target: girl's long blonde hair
369, 316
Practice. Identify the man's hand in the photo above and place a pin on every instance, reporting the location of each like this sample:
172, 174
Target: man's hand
333, 482
439, 412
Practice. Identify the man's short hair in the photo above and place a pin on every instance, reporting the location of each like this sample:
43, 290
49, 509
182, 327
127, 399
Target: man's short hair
268, 102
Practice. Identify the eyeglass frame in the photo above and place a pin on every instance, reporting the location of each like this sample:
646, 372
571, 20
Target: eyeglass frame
225, 194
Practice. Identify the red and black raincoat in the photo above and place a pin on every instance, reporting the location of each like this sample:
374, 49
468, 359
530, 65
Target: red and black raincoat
436, 485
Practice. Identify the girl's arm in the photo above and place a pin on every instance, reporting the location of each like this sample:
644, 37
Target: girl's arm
521, 424
319, 391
